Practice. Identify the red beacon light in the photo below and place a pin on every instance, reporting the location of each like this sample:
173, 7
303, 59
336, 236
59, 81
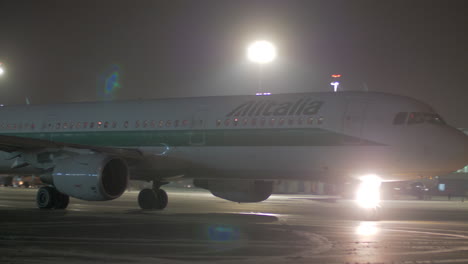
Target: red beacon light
336, 75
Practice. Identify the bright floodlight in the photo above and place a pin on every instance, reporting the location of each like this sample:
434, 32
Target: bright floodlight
261, 52
368, 193
2, 71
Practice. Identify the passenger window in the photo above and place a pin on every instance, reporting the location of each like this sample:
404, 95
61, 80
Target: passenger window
106, 124
310, 121
145, 123
176, 123
65, 125
218, 122
153, 124
236, 121
169, 123
227, 122
245, 121
272, 122
320, 120
161, 123
99, 124
254, 121
281, 122
137, 124
114, 124
291, 121
400, 118
126, 124
91, 125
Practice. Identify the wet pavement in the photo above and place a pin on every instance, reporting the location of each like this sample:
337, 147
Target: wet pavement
199, 228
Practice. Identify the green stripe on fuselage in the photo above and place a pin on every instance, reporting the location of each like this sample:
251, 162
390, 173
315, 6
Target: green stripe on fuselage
210, 137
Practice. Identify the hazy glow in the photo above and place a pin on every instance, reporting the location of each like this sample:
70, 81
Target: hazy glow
367, 229
261, 52
2, 71
335, 86
368, 192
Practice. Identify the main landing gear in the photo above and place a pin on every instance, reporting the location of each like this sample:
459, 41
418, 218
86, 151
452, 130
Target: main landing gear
154, 198
49, 198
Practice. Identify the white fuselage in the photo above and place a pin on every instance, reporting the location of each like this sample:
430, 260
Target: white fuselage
288, 136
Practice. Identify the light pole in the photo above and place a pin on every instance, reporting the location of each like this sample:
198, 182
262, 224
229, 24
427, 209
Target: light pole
335, 83
261, 52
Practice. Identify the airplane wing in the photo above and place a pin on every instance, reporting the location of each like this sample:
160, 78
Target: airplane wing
25, 152
23, 144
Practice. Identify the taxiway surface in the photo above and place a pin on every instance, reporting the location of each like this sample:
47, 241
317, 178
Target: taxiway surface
199, 228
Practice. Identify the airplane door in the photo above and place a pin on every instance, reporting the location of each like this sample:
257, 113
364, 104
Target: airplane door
353, 122
197, 136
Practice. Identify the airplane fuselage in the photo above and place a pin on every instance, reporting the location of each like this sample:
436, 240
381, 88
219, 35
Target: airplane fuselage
288, 136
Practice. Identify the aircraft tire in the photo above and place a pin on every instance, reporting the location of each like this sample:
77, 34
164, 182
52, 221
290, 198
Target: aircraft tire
46, 197
163, 199
61, 200
147, 199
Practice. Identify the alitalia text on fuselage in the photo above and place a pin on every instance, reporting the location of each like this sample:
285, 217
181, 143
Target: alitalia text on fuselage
304, 106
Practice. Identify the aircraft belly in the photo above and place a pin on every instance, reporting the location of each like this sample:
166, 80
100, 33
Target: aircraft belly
285, 162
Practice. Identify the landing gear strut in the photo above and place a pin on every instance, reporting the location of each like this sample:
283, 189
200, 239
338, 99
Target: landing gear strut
49, 198
154, 198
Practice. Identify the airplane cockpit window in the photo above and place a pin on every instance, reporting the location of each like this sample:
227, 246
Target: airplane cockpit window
434, 119
400, 118
419, 118
415, 118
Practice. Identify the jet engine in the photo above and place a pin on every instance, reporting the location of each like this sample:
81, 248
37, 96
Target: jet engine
94, 177
238, 190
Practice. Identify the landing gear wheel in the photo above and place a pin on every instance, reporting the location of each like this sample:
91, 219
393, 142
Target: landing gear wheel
49, 198
147, 199
162, 199
62, 200
152, 199
45, 197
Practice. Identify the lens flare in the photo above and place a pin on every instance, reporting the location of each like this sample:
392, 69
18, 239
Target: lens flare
367, 229
368, 192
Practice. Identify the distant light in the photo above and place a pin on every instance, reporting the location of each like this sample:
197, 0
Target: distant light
2, 71
263, 94
336, 75
335, 86
261, 52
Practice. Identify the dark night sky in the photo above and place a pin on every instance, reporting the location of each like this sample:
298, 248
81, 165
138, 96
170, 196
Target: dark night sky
54, 51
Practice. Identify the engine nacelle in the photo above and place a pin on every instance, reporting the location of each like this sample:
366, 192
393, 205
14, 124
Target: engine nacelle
94, 177
238, 190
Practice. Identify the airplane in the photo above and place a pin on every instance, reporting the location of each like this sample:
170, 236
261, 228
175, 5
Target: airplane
233, 146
